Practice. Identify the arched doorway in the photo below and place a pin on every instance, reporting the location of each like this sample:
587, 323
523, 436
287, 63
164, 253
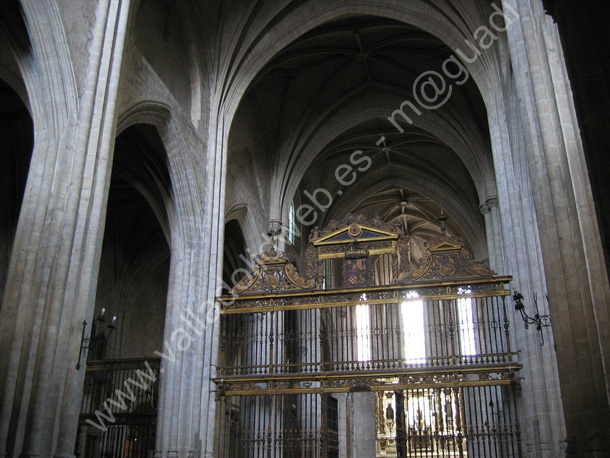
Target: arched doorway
129, 317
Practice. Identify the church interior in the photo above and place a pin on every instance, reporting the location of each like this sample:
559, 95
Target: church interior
356, 229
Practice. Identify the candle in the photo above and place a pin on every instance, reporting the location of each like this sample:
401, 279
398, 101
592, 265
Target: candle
113, 320
103, 310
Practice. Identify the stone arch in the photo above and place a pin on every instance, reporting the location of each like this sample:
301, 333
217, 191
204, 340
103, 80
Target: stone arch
247, 225
441, 22
481, 169
180, 163
135, 259
136, 245
189, 281
155, 116
451, 27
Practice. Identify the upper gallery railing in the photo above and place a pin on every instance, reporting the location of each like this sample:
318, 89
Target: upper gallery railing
444, 313
374, 329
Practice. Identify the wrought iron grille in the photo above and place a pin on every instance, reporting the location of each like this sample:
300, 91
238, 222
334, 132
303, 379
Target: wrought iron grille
427, 360
369, 330
126, 422
433, 420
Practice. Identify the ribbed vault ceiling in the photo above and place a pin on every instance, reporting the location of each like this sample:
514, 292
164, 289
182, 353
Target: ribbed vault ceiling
329, 93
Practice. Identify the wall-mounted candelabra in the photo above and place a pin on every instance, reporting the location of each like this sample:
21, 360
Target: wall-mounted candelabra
541, 321
96, 342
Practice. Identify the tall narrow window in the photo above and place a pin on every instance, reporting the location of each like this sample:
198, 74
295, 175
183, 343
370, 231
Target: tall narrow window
412, 311
291, 223
466, 317
363, 331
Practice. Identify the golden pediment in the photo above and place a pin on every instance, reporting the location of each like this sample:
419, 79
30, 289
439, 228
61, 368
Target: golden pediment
445, 246
447, 259
355, 233
267, 259
272, 272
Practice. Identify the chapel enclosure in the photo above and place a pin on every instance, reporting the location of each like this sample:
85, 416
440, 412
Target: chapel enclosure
368, 352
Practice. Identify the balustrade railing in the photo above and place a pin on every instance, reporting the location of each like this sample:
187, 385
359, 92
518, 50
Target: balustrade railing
376, 330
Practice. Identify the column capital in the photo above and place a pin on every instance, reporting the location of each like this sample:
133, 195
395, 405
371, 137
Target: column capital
492, 202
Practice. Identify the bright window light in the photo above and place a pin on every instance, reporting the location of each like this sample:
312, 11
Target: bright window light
412, 311
467, 336
291, 223
363, 330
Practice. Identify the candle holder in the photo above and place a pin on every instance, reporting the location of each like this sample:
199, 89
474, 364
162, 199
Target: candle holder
98, 339
541, 321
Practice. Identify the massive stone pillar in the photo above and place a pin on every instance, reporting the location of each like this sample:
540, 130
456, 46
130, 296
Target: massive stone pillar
185, 358
53, 271
586, 45
569, 238
540, 399
187, 407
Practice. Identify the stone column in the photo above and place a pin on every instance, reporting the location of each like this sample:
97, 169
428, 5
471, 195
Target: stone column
569, 235
185, 369
53, 273
187, 407
498, 262
540, 400
361, 424
494, 234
